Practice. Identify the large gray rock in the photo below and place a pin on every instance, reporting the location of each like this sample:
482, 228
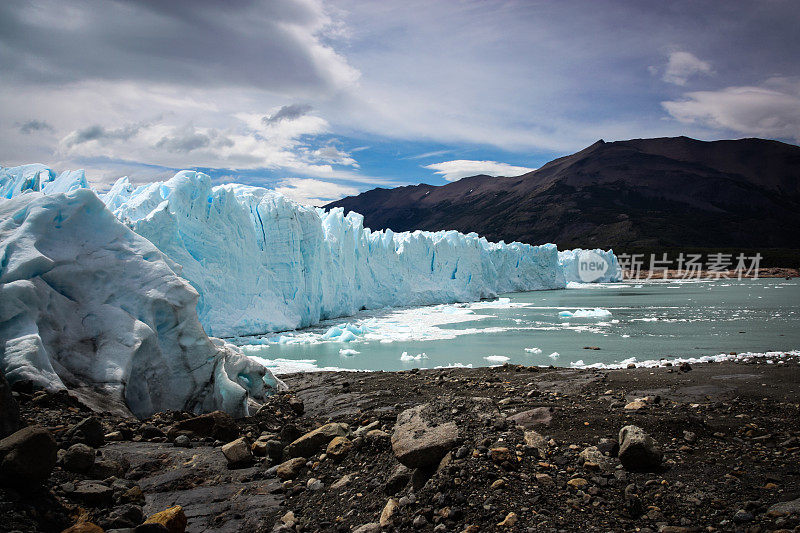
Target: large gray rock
538, 416
217, 425
27, 457
238, 452
419, 439
637, 450
9, 410
784, 509
313, 441
78, 458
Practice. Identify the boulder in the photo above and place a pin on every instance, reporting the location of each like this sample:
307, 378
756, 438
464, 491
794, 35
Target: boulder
88, 431
105, 468
289, 469
313, 441
9, 410
27, 457
419, 440
537, 442
238, 452
173, 519
217, 425
127, 515
78, 458
637, 450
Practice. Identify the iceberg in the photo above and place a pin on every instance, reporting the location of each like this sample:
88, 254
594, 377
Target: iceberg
87, 303
572, 261
262, 263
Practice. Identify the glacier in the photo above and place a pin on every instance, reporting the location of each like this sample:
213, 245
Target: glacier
262, 263
87, 303
122, 288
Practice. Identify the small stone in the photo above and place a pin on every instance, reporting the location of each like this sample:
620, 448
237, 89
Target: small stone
338, 448
173, 519
238, 452
149, 432
509, 521
289, 519
78, 458
182, 441
577, 483
685, 367
499, 484
341, 482
314, 484
635, 405
742, 517
689, 437
501, 455
543, 479
388, 511
105, 468
419, 522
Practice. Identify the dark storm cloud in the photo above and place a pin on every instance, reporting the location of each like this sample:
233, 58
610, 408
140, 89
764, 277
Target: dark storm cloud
231, 43
33, 126
187, 139
99, 133
288, 112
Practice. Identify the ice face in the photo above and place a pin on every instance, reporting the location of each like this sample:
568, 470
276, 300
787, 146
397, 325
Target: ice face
34, 178
261, 263
86, 301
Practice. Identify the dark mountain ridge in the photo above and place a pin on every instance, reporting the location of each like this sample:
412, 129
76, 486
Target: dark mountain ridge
640, 193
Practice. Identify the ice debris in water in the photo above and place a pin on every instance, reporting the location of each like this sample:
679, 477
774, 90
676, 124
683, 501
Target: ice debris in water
585, 314
406, 357
534, 351
554, 355
348, 351
497, 358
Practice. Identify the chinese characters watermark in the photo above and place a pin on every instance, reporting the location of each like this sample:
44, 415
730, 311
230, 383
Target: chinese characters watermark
689, 266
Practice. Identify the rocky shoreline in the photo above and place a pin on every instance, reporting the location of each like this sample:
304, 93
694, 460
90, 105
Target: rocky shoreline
712, 447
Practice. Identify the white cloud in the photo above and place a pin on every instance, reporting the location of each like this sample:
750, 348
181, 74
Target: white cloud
682, 65
461, 168
313, 192
770, 110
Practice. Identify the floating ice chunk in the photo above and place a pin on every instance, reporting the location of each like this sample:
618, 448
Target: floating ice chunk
348, 351
406, 357
497, 358
585, 314
534, 351
554, 355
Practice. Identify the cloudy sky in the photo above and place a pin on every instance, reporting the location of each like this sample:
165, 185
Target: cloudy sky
321, 99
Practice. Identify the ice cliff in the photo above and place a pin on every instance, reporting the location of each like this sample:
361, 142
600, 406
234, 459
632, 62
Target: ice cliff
262, 263
572, 261
85, 301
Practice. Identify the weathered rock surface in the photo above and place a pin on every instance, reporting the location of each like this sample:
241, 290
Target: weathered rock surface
637, 450
419, 441
27, 457
238, 452
88, 431
313, 441
78, 458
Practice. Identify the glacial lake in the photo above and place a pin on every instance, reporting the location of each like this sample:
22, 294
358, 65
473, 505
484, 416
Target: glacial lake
636, 322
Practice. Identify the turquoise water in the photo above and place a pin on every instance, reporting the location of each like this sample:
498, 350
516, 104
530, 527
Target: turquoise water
648, 321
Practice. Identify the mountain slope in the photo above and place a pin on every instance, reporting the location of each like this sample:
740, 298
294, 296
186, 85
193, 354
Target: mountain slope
638, 193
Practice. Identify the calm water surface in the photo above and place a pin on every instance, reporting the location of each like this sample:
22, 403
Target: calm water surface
649, 320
